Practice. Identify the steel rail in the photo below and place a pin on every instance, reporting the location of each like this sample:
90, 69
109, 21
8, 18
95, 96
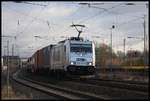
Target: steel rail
122, 81
121, 85
64, 93
82, 94
36, 87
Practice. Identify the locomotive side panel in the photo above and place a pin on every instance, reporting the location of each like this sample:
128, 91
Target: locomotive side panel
57, 57
62, 57
52, 58
93, 48
46, 57
66, 55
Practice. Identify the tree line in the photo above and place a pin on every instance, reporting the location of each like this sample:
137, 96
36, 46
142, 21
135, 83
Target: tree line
130, 58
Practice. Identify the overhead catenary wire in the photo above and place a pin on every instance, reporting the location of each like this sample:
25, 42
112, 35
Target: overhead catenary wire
126, 22
66, 29
130, 21
18, 33
34, 18
99, 13
112, 7
25, 28
108, 10
12, 9
26, 2
104, 10
27, 15
51, 26
47, 24
35, 4
73, 14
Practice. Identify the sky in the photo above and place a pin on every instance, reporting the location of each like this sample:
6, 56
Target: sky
51, 21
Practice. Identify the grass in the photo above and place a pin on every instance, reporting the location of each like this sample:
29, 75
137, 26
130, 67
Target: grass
122, 76
12, 93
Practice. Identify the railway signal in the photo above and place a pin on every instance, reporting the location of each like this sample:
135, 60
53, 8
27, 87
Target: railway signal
113, 26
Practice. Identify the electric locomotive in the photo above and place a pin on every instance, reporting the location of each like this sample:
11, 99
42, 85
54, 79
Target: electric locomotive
74, 56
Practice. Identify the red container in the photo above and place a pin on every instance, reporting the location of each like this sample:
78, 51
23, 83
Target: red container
28, 63
36, 59
40, 59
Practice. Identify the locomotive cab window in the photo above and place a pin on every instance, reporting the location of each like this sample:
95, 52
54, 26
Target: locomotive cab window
87, 48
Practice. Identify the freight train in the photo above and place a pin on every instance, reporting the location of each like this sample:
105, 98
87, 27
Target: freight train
73, 56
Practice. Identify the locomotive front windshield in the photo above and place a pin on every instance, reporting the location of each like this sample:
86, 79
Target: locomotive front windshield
87, 48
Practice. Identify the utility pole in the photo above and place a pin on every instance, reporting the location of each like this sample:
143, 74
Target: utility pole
124, 49
144, 42
12, 49
111, 43
11, 37
5, 50
7, 69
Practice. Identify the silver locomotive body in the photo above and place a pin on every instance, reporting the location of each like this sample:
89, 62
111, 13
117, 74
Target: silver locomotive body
77, 57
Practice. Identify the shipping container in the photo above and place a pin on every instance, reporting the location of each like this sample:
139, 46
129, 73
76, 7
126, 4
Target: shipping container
40, 59
28, 64
46, 56
36, 60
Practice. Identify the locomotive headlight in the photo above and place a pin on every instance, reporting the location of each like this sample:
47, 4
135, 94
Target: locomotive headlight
72, 63
90, 63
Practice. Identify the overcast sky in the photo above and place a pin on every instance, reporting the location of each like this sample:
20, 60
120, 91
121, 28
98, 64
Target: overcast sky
52, 23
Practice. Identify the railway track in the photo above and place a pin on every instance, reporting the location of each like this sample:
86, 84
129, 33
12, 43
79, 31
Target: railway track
117, 84
99, 89
122, 81
112, 90
62, 93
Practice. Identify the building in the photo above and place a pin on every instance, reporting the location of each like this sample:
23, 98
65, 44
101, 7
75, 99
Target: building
14, 61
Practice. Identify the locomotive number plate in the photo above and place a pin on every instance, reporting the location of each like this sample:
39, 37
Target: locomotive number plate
80, 63
80, 59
